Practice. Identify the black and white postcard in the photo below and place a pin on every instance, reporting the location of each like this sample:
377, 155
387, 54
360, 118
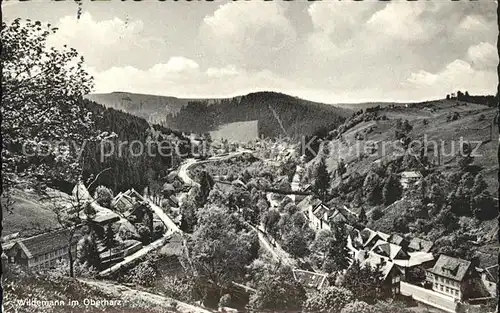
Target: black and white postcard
250, 156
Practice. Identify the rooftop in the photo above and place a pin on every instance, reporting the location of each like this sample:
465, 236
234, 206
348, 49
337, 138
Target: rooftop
389, 250
310, 279
384, 265
450, 267
421, 244
44, 243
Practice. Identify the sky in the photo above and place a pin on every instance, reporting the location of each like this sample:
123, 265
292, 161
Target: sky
326, 51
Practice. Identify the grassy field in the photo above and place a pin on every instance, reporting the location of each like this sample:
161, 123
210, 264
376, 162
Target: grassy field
447, 134
237, 131
31, 213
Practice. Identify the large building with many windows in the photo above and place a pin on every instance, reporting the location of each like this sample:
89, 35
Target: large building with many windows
452, 277
42, 251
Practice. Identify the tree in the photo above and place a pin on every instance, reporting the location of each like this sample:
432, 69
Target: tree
392, 190
206, 184
220, 249
88, 251
484, 207
103, 196
295, 243
339, 253
278, 291
479, 185
361, 307
109, 238
364, 282
321, 180
189, 219
270, 220
42, 90
376, 214
362, 216
329, 300
464, 159
372, 188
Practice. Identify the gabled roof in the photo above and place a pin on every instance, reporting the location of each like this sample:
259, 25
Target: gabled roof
320, 210
397, 239
125, 201
421, 244
307, 202
368, 235
384, 265
389, 250
492, 273
44, 243
310, 279
450, 267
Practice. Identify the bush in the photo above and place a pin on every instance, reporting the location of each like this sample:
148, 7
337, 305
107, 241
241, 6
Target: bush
329, 300
376, 214
103, 196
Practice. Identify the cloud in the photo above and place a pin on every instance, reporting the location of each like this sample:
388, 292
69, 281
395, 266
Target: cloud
483, 56
248, 33
105, 42
457, 75
165, 79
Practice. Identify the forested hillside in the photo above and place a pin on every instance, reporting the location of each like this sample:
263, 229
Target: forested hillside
152, 108
278, 114
128, 167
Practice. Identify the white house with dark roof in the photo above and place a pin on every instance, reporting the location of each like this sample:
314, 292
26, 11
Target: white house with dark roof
452, 277
391, 274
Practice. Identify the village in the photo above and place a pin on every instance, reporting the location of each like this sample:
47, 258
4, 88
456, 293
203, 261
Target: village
137, 225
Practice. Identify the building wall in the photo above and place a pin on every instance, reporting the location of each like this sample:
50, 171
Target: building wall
50, 259
446, 286
429, 297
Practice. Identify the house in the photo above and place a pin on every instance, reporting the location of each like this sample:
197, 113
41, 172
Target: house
315, 211
417, 244
42, 251
389, 250
370, 237
398, 240
489, 277
126, 200
311, 280
409, 178
391, 274
453, 277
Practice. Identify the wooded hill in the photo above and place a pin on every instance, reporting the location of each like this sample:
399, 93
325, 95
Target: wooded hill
277, 114
129, 169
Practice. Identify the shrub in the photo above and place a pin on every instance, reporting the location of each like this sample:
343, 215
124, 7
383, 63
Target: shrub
376, 214
103, 196
329, 300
